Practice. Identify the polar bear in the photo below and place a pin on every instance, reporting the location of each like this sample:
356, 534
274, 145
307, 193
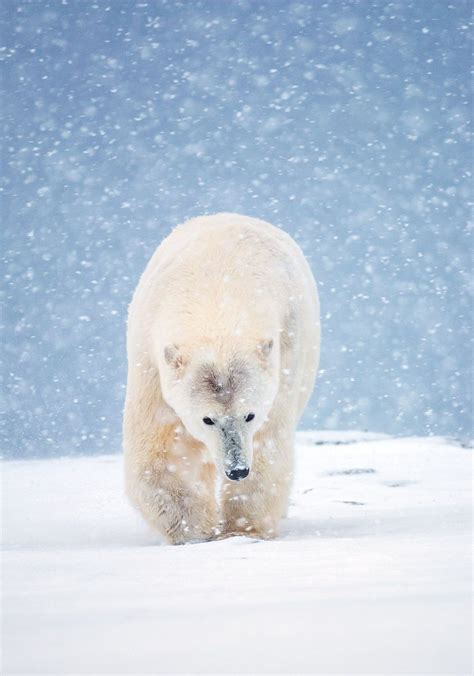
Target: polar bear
223, 348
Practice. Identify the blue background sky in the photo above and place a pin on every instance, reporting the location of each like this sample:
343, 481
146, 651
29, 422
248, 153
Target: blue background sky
345, 123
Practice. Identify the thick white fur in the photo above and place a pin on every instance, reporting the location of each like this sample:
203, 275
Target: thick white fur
216, 287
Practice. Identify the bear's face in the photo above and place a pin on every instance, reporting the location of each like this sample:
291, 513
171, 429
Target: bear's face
222, 402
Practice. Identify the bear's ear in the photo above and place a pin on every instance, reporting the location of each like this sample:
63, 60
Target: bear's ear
173, 357
264, 348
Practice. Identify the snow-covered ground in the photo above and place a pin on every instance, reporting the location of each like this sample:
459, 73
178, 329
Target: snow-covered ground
371, 573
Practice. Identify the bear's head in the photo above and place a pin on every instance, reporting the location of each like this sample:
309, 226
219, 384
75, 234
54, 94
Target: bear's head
222, 397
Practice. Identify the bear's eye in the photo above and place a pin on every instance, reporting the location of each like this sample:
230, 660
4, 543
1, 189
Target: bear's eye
249, 417
208, 421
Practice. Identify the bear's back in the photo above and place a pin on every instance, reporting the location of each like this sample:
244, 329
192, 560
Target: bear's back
227, 244
225, 272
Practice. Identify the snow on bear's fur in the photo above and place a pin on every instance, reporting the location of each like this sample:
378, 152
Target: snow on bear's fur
223, 349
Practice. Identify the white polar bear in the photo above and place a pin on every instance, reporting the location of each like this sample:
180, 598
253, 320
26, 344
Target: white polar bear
223, 348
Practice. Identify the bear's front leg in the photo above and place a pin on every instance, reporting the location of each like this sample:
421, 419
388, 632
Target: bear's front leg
181, 511
255, 505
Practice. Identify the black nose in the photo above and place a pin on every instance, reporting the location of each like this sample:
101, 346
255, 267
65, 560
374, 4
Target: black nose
238, 474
